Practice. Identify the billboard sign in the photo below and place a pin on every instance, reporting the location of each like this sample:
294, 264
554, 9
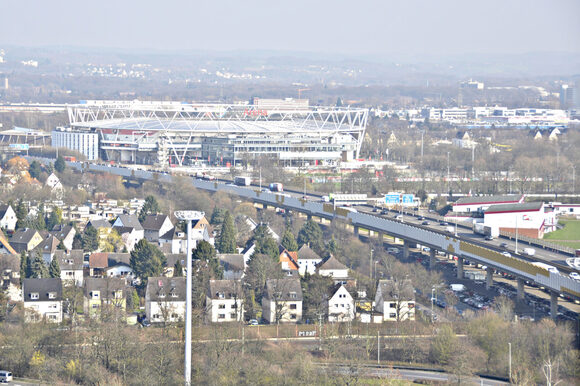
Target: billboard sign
392, 198
408, 199
19, 146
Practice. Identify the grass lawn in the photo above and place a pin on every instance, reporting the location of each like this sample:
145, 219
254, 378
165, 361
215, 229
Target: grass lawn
570, 232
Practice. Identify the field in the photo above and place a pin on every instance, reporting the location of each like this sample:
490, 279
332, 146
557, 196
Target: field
568, 236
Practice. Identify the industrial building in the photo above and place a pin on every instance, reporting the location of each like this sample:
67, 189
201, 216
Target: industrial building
481, 203
530, 219
176, 133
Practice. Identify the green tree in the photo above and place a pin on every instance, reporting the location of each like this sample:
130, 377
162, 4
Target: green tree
59, 164
265, 244
260, 268
77, 241
55, 218
21, 214
34, 169
133, 300
147, 260
311, 234
38, 269
90, 239
205, 255
151, 206
61, 246
289, 241
217, 216
24, 266
54, 269
204, 251
227, 239
178, 269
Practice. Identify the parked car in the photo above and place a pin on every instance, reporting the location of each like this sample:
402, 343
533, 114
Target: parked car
5, 376
253, 322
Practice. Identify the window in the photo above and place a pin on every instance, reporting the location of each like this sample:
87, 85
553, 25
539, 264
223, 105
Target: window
34, 296
95, 294
221, 316
221, 306
392, 315
393, 305
220, 295
293, 316
292, 306
233, 315
161, 294
292, 295
235, 305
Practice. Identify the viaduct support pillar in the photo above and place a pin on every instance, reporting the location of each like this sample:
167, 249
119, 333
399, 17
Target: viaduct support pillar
264, 206
381, 239
554, 304
459, 267
432, 259
405, 249
489, 278
521, 292
308, 217
356, 230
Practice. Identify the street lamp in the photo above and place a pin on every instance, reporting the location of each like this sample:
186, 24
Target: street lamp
371, 264
188, 216
447, 172
433, 291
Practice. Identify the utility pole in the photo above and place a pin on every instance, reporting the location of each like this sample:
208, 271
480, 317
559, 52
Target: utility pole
320, 332
573, 179
516, 234
447, 172
510, 361
378, 348
371, 264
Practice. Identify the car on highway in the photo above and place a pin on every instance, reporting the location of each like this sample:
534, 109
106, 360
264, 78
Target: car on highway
425, 222
420, 218
503, 245
384, 211
489, 237
506, 254
574, 275
443, 223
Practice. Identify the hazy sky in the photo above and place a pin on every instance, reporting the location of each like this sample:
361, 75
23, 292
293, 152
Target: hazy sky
356, 27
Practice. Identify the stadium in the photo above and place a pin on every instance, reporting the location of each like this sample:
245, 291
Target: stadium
183, 134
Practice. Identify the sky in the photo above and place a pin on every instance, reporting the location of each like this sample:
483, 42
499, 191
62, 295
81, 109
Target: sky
363, 27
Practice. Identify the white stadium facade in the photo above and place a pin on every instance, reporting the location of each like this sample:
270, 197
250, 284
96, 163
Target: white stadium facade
183, 134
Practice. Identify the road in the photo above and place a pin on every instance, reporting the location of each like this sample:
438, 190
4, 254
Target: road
410, 374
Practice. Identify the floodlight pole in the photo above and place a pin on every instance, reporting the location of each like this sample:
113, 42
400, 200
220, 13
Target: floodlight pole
188, 216
188, 294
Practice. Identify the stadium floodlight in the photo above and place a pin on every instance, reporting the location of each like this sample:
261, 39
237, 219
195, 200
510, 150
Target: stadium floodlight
189, 216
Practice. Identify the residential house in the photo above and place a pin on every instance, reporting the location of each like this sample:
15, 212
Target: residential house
248, 252
224, 301
307, 260
156, 225
98, 224
42, 300
174, 241
233, 264
288, 260
5, 247
71, 266
165, 299
395, 299
7, 217
333, 268
130, 221
104, 294
201, 230
172, 259
47, 248
341, 305
282, 300
53, 182
129, 236
119, 265
64, 233
98, 264
25, 239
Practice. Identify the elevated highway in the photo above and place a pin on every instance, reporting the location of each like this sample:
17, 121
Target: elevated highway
438, 240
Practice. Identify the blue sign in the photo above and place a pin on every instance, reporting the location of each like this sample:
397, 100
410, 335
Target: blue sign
19, 146
392, 198
408, 198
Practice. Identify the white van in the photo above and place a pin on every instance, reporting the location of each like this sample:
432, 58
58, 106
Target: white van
5, 376
393, 250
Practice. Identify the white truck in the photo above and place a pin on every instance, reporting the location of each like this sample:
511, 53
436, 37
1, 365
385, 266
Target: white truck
529, 251
547, 267
243, 181
488, 231
457, 287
